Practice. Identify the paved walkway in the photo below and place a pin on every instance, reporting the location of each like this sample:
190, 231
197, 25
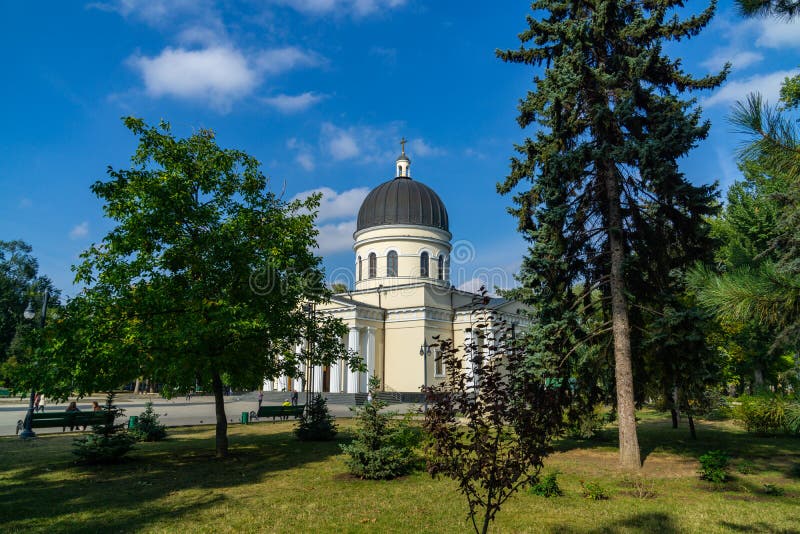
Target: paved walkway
174, 412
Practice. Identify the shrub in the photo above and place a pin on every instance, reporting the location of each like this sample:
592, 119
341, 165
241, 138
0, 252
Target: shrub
108, 442
746, 467
593, 491
547, 486
768, 414
773, 490
316, 423
147, 427
382, 447
714, 466
586, 425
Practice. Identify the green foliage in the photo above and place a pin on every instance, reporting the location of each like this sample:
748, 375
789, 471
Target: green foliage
746, 467
20, 285
586, 424
203, 276
779, 8
547, 486
714, 466
593, 491
768, 414
147, 426
382, 448
108, 442
316, 423
598, 190
773, 490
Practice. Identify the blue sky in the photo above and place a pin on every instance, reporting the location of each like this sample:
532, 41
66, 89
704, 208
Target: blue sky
320, 91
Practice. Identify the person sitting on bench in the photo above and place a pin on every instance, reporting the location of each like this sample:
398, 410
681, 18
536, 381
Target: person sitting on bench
73, 407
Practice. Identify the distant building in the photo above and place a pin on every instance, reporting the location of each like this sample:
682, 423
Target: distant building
403, 296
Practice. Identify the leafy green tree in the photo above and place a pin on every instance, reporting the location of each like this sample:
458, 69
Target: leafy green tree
202, 278
764, 290
607, 203
20, 284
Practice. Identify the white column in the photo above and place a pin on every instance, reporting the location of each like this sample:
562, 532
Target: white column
268, 386
299, 383
353, 344
335, 377
318, 379
370, 358
469, 351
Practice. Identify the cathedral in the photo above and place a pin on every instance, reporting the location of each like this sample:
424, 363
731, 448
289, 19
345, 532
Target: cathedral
403, 295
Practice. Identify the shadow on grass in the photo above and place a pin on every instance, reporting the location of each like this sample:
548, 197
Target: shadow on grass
656, 435
644, 523
42, 489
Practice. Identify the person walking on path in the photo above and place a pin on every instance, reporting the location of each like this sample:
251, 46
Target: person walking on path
260, 399
295, 396
36, 401
42, 402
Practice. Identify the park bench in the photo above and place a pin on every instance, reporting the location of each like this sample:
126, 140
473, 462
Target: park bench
4, 392
64, 420
280, 411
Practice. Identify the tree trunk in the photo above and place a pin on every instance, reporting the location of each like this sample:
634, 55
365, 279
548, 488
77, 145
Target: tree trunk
674, 410
758, 379
691, 426
222, 420
629, 456
136, 387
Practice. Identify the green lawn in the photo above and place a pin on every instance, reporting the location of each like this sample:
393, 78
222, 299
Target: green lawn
273, 483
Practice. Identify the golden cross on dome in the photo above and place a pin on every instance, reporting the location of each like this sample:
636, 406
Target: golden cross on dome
403, 144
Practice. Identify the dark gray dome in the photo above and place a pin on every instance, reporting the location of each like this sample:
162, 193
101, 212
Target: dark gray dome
402, 201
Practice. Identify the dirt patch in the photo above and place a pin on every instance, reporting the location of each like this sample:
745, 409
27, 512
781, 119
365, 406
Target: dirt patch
669, 466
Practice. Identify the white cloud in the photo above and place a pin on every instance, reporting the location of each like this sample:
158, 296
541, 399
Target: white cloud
221, 74
304, 157
293, 103
739, 59
216, 74
421, 148
370, 144
336, 206
305, 160
81, 230
337, 237
741, 39
778, 33
283, 59
355, 7
340, 144
768, 85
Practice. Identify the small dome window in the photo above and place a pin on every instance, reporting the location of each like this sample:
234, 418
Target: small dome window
391, 263
373, 265
424, 265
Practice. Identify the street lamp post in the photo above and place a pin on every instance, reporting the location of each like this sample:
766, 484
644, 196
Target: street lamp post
424, 350
27, 431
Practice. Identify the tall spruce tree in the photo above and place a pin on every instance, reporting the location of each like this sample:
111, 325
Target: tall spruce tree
607, 201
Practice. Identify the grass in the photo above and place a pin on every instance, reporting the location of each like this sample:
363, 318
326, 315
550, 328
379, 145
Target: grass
274, 483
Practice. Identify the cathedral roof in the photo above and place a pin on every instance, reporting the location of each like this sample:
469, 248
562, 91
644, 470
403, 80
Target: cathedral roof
402, 201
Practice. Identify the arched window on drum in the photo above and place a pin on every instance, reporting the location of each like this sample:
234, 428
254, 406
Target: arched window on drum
391, 263
424, 265
373, 265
